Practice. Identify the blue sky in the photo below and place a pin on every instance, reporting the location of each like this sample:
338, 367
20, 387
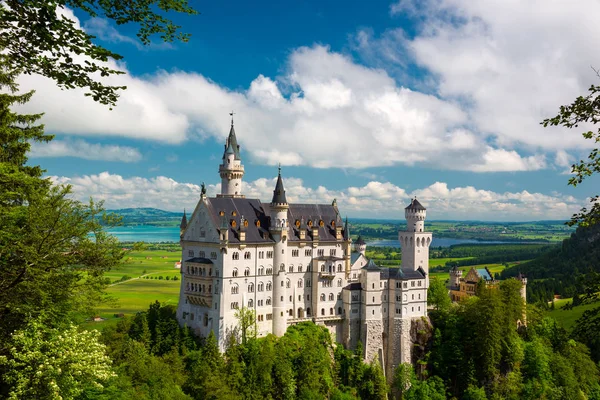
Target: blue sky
370, 103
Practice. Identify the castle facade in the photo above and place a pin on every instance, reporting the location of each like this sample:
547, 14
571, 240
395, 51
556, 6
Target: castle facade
296, 262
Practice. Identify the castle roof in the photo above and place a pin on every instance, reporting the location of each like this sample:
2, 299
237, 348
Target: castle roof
353, 286
279, 192
199, 260
485, 274
231, 144
371, 266
360, 241
401, 274
224, 210
415, 205
183, 224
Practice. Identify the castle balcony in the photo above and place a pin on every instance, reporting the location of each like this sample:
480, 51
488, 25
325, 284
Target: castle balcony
197, 299
327, 275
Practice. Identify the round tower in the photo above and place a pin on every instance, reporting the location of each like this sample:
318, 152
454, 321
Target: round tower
231, 170
278, 229
360, 245
523, 280
455, 275
415, 215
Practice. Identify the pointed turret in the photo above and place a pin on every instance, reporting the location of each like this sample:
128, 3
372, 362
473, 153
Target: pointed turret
279, 192
183, 224
231, 170
346, 230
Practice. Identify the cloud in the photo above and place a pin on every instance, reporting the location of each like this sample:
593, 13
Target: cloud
85, 150
509, 65
374, 200
324, 111
103, 30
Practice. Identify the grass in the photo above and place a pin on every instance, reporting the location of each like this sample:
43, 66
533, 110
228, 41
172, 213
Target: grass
567, 318
492, 267
436, 262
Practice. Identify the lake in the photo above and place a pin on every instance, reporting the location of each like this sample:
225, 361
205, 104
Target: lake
155, 234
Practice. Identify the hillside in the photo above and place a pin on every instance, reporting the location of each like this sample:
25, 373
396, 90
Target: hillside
559, 270
148, 216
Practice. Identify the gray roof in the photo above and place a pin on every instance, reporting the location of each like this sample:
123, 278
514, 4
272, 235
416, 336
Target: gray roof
232, 143
360, 240
253, 210
415, 205
200, 260
279, 192
314, 213
371, 266
354, 256
183, 224
353, 286
401, 274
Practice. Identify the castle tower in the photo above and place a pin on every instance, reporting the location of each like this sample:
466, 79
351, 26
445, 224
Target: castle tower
231, 170
279, 230
183, 224
455, 275
360, 245
414, 241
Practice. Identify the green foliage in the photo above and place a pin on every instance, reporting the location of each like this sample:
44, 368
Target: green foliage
39, 38
246, 318
53, 364
437, 294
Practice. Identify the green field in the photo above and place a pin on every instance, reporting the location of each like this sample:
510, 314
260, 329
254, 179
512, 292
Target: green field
492, 267
567, 318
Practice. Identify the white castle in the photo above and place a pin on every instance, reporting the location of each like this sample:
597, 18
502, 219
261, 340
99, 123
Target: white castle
293, 263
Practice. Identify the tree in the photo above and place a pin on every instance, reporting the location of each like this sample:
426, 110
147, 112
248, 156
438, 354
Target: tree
584, 110
437, 294
39, 38
246, 318
54, 364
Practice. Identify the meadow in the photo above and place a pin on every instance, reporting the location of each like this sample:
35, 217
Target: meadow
567, 318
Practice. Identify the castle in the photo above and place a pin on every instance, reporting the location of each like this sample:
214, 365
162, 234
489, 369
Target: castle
295, 262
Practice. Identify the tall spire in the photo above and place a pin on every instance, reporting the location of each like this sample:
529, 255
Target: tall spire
346, 229
279, 192
183, 224
231, 144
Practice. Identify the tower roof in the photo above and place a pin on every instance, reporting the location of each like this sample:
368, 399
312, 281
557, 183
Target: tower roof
279, 192
231, 144
360, 241
415, 205
346, 229
371, 266
183, 224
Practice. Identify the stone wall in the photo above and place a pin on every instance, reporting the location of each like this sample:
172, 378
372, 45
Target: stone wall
372, 339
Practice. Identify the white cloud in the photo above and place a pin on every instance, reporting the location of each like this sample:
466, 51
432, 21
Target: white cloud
85, 150
325, 110
511, 64
102, 29
375, 199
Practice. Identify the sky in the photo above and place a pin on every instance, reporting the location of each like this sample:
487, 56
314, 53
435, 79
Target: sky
368, 102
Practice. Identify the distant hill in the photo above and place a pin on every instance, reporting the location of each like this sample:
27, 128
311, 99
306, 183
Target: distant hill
148, 216
559, 271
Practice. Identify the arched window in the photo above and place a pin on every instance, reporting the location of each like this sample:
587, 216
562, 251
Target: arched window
308, 311
282, 267
268, 301
323, 297
251, 288
261, 286
205, 319
331, 297
291, 268
250, 303
339, 282
247, 272
261, 270
331, 311
299, 283
299, 267
209, 288
288, 284
322, 311
235, 255
269, 271
300, 315
322, 267
234, 273
235, 289
339, 310
339, 267
291, 312
269, 286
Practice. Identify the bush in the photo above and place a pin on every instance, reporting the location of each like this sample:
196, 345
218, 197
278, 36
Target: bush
168, 278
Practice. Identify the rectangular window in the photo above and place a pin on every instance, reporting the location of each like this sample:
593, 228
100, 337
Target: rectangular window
269, 317
308, 283
213, 255
412, 284
201, 254
332, 252
191, 253
269, 254
308, 252
295, 253
419, 283
320, 252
